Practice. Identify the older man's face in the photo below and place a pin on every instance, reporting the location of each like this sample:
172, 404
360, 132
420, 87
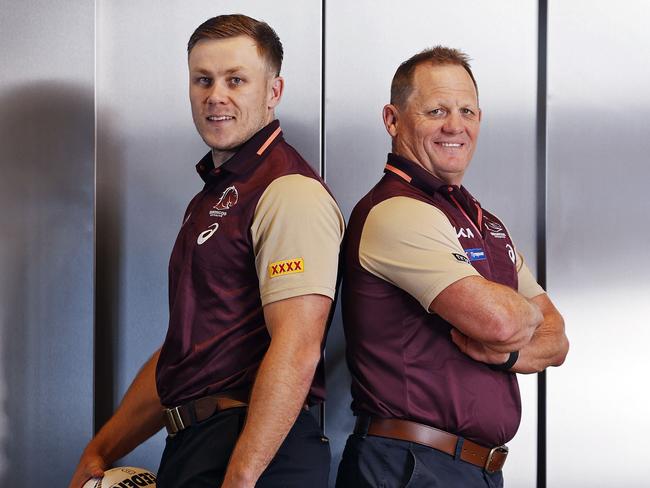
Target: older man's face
439, 125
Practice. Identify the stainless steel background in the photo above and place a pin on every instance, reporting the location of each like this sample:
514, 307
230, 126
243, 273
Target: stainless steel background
365, 42
146, 151
598, 147
46, 251
146, 148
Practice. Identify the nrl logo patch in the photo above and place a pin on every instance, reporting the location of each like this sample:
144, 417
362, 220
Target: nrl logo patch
288, 266
460, 257
495, 229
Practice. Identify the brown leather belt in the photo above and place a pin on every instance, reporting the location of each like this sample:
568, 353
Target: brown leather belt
183, 416
490, 459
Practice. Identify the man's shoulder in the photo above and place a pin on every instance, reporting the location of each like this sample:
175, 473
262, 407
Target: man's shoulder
284, 159
392, 198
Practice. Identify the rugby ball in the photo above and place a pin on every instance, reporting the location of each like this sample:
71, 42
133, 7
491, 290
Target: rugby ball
124, 477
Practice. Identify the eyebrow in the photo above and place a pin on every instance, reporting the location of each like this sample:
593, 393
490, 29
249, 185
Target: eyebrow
229, 71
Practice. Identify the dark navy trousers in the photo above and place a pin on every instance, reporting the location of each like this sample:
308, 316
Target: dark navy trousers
197, 457
377, 462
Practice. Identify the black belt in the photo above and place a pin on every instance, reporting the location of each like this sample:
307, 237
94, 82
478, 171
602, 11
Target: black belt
490, 459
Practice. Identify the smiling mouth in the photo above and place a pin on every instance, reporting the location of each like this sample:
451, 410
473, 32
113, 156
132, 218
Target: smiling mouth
219, 118
452, 145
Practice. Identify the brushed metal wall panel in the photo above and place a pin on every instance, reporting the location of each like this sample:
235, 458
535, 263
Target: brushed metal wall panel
598, 146
46, 250
365, 42
147, 149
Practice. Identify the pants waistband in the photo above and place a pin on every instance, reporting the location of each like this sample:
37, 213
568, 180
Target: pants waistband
183, 416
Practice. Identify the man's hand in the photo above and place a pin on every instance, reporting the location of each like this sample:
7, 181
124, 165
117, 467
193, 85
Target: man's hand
90, 466
297, 326
477, 350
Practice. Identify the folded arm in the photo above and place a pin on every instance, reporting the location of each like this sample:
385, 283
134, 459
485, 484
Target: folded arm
548, 345
492, 314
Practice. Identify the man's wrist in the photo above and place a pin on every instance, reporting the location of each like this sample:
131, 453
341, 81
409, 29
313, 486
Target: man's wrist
239, 474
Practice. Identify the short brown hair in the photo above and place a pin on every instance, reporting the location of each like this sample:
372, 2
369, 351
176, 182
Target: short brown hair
233, 25
402, 84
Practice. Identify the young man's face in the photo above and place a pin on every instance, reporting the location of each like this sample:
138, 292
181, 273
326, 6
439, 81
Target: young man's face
232, 92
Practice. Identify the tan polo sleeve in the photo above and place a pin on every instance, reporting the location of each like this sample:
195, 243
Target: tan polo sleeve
528, 285
297, 230
413, 245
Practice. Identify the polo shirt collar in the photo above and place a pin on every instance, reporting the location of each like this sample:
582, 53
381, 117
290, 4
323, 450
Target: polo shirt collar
247, 157
419, 177
414, 174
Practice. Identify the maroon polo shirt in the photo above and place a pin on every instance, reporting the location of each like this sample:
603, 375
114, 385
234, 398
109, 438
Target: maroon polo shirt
244, 242
403, 362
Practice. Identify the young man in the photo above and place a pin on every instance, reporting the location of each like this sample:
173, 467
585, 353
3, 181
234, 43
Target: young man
439, 309
252, 279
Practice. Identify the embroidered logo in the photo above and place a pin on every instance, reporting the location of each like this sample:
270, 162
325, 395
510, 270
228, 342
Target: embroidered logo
464, 232
228, 199
495, 229
288, 266
493, 226
460, 257
206, 234
475, 254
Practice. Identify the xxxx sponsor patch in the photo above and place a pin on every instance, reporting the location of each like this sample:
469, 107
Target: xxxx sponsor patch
288, 266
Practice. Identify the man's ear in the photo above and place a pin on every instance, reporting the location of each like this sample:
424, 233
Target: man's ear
275, 92
390, 115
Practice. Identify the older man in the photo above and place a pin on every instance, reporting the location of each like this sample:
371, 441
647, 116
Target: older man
252, 277
440, 311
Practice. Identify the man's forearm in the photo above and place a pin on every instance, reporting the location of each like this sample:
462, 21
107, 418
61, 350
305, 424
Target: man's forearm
278, 395
138, 417
297, 326
488, 312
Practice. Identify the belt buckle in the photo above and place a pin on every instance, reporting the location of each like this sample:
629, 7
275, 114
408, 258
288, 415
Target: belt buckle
175, 421
501, 449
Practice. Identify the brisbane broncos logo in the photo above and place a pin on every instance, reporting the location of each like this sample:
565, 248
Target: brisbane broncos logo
228, 199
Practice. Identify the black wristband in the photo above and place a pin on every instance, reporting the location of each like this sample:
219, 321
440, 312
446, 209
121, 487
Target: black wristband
512, 359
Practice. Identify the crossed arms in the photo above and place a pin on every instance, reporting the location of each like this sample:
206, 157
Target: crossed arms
491, 320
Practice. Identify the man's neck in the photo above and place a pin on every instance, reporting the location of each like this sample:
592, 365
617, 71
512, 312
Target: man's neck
220, 157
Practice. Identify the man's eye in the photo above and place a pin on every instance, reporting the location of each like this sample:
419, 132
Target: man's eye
204, 80
437, 111
235, 80
466, 111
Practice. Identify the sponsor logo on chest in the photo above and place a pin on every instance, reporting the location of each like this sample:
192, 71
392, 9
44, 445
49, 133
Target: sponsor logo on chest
475, 254
465, 232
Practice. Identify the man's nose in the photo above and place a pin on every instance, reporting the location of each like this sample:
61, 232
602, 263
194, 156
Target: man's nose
453, 123
217, 94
